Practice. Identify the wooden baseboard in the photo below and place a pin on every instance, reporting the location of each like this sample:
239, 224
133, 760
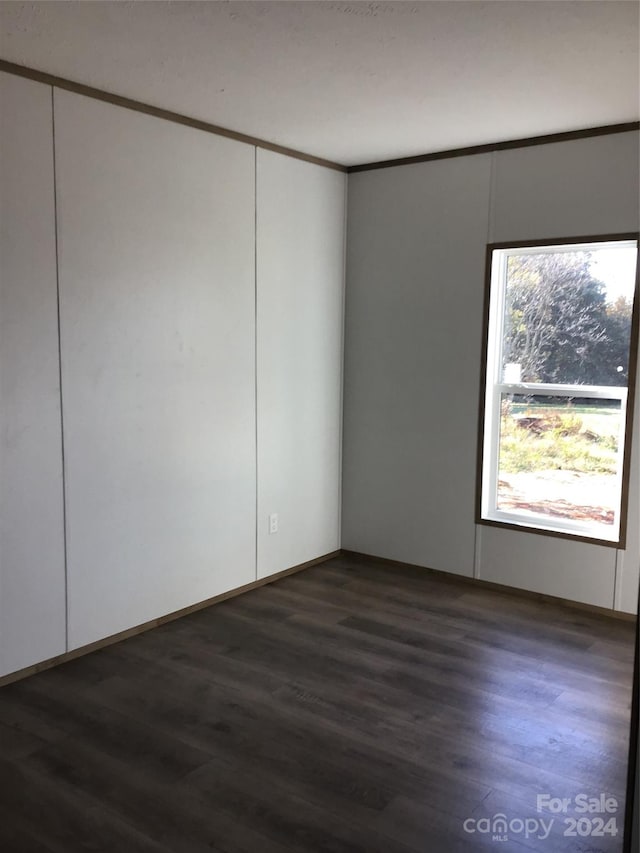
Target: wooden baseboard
498, 587
154, 623
462, 580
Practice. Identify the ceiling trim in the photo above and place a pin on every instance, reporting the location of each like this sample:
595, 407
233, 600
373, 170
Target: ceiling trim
178, 118
168, 115
565, 136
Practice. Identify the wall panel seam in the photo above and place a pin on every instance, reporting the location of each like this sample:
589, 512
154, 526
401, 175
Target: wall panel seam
255, 341
342, 358
59, 322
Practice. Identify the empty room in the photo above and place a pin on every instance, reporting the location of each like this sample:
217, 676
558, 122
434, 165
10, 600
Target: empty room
319, 426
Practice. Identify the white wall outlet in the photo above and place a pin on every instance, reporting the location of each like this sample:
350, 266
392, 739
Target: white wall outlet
273, 522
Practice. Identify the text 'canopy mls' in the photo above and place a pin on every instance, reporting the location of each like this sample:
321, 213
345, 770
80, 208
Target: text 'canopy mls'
561, 323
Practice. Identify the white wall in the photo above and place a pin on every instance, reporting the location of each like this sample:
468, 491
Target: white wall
32, 580
165, 394
156, 266
165, 399
415, 278
300, 296
588, 186
415, 265
628, 562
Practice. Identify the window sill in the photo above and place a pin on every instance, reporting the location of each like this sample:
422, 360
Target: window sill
578, 535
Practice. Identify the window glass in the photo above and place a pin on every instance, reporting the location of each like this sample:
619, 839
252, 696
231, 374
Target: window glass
558, 367
568, 315
559, 457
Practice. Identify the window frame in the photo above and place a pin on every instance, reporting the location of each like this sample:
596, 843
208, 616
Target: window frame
491, 392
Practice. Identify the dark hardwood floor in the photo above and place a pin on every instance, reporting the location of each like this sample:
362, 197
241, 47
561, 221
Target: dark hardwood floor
352, 708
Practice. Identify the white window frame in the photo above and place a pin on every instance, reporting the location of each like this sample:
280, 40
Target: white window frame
495, 387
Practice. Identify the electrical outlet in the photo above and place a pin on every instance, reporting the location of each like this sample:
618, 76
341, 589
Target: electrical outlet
273, 522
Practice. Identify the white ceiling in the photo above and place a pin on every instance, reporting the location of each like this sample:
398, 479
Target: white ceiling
352, 82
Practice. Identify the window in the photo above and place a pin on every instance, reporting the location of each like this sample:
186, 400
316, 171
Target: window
559, 373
